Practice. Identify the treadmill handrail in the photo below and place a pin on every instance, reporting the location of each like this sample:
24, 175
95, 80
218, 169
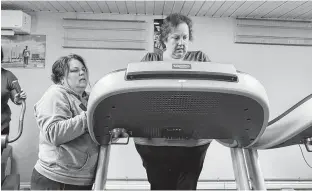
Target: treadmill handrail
292, 122
20, 124
290, 109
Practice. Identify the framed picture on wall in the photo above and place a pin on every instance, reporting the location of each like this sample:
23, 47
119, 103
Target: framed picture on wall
158, 46
23, 51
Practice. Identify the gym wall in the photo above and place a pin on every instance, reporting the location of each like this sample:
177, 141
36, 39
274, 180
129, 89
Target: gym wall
285, 72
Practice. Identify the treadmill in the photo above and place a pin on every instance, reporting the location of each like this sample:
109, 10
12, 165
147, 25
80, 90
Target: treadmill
178, 100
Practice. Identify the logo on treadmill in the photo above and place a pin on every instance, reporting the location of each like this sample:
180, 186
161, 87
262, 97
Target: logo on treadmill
181, 66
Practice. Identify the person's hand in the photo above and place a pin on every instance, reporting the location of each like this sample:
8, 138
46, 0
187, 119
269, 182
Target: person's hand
19, 97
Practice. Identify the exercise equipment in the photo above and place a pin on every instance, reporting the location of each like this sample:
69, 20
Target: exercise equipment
292, 127
178, 100
11, 181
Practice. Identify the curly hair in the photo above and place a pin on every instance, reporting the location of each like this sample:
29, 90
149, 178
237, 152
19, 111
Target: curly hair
60, 67
172, 21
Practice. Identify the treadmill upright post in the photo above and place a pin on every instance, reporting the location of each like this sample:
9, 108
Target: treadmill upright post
255, 173
240, 170
102, 167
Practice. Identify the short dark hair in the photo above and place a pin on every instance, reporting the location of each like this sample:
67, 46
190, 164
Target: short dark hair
60, 67
172, 21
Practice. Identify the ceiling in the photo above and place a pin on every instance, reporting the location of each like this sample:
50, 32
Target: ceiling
298, 10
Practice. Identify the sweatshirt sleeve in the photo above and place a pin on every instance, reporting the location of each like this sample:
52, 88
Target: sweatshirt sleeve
55, 118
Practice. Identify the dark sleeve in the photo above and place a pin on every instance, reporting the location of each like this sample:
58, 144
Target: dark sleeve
202, 57
151, 57
146, 57
197, 56
11, 78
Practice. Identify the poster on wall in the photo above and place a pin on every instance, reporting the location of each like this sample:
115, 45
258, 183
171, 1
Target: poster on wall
23, 51
158, 46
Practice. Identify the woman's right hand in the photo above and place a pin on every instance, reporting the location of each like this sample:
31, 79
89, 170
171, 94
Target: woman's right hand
19, 97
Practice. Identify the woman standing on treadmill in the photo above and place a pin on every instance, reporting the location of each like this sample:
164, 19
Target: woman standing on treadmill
174, 165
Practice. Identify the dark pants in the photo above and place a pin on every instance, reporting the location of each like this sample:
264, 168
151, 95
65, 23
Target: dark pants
172, 168
40, 182
5, 131
26, 60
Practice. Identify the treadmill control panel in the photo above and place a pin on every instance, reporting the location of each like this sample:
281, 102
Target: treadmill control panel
181, 70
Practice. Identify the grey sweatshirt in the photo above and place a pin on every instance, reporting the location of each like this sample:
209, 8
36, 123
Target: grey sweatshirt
67, 153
